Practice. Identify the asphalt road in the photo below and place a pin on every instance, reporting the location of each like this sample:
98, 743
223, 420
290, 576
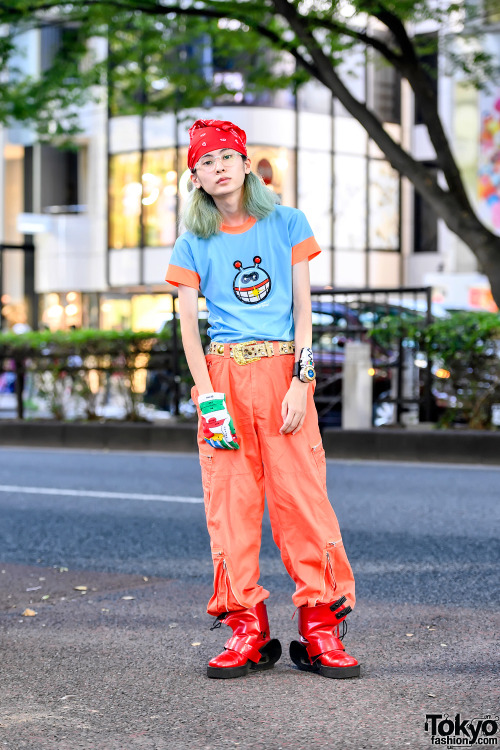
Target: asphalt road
94, 670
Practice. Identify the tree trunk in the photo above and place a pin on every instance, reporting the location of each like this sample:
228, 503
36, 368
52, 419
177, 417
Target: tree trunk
451, 205
486, 247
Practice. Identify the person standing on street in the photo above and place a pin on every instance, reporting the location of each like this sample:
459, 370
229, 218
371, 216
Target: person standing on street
258, 432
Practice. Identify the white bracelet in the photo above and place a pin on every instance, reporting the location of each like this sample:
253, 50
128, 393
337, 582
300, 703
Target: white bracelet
210, 397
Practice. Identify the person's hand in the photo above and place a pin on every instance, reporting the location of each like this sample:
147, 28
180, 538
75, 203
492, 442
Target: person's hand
293, 407
218, 427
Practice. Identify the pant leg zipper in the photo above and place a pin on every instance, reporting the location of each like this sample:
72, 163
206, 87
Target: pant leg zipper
331, 570
328, 563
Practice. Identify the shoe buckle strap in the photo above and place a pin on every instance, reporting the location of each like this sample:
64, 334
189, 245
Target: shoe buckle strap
243, 645
324, 644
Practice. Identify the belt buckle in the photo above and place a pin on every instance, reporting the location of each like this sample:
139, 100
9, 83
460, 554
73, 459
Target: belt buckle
239, 353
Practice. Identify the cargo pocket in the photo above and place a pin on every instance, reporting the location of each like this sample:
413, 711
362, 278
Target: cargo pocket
213, 363
320, 460
224, 592
215, 370
206, 463
329, 583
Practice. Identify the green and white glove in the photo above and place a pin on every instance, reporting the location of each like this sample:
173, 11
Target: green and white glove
218, 427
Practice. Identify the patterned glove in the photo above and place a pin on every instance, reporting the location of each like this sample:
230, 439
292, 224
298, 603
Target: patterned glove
218, 427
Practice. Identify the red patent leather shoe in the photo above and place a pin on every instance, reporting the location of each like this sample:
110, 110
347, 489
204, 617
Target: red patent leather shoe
320, 648
250, 646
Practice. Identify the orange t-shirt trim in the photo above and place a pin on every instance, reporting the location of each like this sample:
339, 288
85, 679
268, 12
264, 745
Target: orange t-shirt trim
177, 275
308, 248
240, 228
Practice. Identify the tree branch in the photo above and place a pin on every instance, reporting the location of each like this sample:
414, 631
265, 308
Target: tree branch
420, 82
360, 36
423, 180
319, 66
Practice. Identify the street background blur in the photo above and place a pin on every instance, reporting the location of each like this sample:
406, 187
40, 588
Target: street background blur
383, 129
381, 122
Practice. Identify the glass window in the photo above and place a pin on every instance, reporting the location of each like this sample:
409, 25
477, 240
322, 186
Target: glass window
125, 191
314, 97
115, 312
315, 193
427, 46
350, 202
352, 68
157, 190
159, 197
384, 206
425, 225
15, 311
321, 267
238, 72
386, 91
349, 136
184, 178
139, 312
61, 310
13, 197
467, 104
150, 312
276, 166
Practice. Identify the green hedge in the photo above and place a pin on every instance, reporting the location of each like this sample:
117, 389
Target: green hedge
75, 362
82, 339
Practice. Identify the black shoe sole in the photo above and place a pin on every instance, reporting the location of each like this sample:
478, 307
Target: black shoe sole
298, 654
271, 652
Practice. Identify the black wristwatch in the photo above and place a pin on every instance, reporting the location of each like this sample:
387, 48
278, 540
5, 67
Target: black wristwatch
306, 373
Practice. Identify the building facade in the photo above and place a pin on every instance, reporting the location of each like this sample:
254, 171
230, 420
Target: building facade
87, 234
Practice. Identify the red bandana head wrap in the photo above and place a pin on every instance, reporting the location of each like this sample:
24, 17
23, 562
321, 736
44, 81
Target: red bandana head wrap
210, 135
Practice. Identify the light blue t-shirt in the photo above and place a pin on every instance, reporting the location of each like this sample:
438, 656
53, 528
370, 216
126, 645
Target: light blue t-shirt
245, 274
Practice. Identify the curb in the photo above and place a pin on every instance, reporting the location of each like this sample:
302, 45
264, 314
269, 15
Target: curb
429, 446
434, 446
141, 436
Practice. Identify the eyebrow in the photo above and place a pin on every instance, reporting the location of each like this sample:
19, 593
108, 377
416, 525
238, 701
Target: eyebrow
226, 148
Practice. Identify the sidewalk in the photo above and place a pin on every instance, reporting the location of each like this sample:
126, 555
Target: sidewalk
95, 671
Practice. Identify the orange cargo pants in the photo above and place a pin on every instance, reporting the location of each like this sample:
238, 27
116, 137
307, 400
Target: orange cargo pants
290, 470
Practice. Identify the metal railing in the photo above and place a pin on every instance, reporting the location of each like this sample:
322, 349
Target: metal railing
342, 315
339, 316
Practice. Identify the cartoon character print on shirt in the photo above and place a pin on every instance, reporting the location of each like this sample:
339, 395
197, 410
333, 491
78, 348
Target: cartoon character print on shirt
251, 284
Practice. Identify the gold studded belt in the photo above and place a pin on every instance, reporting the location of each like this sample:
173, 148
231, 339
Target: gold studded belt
251, 351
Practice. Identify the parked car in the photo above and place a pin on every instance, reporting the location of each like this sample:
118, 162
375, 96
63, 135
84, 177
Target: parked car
336, 323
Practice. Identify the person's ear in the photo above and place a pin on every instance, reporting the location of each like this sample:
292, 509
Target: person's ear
195, 180
248, 164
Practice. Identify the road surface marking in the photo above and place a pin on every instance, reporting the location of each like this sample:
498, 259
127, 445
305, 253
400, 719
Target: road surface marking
103, 495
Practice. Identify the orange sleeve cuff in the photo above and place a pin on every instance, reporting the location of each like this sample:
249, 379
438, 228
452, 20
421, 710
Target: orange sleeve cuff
306, 249
177, 275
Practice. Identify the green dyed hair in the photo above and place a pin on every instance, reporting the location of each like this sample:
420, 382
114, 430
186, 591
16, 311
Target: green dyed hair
202, 217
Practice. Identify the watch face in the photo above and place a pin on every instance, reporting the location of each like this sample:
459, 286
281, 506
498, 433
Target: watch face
307, 374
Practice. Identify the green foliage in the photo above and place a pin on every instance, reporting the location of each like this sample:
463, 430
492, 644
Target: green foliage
179, 56
467, 345
77, 366
157, 62
75, 341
